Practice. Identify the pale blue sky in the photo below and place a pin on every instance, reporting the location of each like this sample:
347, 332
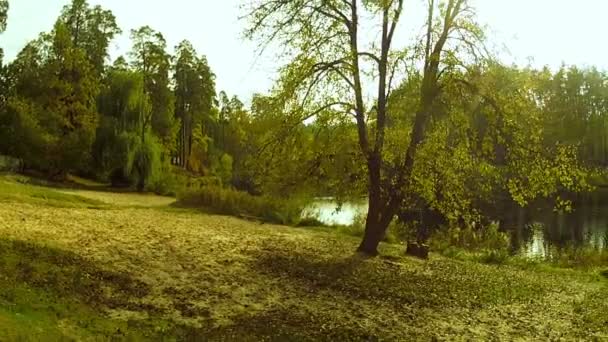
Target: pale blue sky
549, 31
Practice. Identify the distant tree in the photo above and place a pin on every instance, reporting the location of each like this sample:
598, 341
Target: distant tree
149, 57
3, 14
3, 17
22, 135
121, 102
194, 100
4, 89
91, 29
575, 106
71, 95
53, 103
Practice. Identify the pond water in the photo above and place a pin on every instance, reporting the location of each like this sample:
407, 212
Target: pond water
534, 233
327, 211
538, 233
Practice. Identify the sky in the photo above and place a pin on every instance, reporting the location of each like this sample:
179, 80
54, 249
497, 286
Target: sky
540, 32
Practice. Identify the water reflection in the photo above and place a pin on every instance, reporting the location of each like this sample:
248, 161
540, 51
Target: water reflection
534, 232
544, 231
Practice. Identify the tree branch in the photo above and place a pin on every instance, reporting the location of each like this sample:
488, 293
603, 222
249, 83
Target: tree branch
370, 55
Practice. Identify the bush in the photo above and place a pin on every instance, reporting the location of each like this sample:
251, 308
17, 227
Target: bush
310, 222
494, 256
204, 182
484, 239
9, 164
232, 202
166, 184
356, 229
584, 257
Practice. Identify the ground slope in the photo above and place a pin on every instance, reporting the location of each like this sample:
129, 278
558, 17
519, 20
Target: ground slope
109, 269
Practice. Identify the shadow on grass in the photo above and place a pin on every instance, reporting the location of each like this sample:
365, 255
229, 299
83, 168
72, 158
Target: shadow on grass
437, 284
68, 275
287, 324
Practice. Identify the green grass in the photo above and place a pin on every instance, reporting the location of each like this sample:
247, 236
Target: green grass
51, 294
161, 273
16, 188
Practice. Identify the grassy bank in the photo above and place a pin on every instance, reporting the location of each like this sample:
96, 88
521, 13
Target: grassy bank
217, 200
14, 188
150, 272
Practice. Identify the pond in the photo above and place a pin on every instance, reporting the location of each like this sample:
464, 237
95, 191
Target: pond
537, 233
327, 211
534, 233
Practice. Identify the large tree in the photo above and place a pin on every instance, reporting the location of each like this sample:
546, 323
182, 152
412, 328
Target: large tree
121, 102
150, 58
194, 101
91, 29
332, 66
52, 104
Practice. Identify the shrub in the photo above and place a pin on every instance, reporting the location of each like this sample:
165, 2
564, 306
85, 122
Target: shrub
9, 164
166, 184
232, 202
453, 252
310, 222
494, 256
355, 229
584, 257
204, 182
487, 238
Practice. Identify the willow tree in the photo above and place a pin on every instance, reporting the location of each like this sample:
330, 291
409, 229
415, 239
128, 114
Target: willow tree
335, 67
150, 58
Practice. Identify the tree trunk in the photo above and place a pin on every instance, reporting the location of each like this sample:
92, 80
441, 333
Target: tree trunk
374, 233
379, 217
380, 211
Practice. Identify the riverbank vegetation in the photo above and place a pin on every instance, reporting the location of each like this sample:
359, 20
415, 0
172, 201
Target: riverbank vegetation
241, 204
443, 140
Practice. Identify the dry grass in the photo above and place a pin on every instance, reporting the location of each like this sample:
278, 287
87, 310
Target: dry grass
123, 199
228, 279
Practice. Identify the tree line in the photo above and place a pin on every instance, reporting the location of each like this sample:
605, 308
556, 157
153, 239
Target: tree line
448, 130
65, 109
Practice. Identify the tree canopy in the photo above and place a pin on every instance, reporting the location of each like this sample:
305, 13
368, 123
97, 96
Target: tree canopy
441, 81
